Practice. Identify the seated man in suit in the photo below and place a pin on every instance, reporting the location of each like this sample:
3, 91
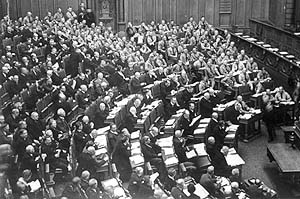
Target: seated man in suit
13, 86
206, 106
131, 119
135, 83
82, 97
208, 181
282, 96
171, 108
152, 154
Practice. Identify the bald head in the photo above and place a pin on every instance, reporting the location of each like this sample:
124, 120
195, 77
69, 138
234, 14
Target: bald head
214, 115
211, 170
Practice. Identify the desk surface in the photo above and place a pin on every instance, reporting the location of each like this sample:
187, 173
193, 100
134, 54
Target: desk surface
288, 159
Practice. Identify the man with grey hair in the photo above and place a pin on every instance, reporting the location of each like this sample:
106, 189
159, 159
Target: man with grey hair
208, 181
35, 126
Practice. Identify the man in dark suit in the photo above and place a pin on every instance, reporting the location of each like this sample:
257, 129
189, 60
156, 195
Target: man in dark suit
131, 119
171, 108
184, 124
152, 154
82, 97
208, 181
135, 83
206, 106
14, 87
4, 74
13, 120
35, 126
179, 146
214, 129
185, 97
87, 161
28, 160
217, 158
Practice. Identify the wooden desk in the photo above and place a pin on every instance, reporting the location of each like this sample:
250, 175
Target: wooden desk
251, 123
287, 158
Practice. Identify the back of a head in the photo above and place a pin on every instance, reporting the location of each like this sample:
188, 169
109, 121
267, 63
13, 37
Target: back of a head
191, 188
76, 180
85, 175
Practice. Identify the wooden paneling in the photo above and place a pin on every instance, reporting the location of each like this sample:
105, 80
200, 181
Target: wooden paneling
224, 13
194, 9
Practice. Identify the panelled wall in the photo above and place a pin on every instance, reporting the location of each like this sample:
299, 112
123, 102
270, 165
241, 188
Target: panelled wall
224, 13
19, 8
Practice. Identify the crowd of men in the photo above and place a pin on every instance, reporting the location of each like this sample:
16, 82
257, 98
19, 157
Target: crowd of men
98, 63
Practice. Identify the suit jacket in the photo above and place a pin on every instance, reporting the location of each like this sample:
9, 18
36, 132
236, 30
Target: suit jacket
150, 151
130, 122
179, 150
206, 108
93, 193
4, 139
135, 85
178, 194
86, 162
13, 88
82, 99
169, 183
211, 129
170, 110
35, 128
28, 162
208, 183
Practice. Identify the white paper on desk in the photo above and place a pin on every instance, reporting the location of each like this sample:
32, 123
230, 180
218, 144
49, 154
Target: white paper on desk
170, 122
199, 131
232, 128
202, 125
135, 145
136, 160
34, 185
136, 151
171, 161
191, 154
205, 120
201, 191
165, 142
101, 141
135, 135
234, 160
168, 151
195, 120
200, 149
100, 151
103, 130
106, 184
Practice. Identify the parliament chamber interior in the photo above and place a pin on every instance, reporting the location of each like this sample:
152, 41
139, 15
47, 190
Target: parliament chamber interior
149, 99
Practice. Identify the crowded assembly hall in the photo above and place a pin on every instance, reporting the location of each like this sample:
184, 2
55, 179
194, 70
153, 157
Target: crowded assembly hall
127, 99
